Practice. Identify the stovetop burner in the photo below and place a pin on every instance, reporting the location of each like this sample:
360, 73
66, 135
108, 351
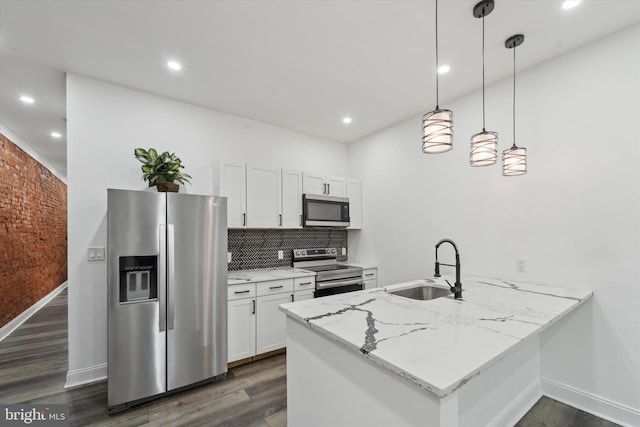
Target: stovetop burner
324, 262
331, 267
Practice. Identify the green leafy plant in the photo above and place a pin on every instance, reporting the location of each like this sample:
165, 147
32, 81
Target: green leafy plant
158, 168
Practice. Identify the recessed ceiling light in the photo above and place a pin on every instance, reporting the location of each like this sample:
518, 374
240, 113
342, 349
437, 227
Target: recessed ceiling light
56, 134
346, 120
27, 99
444, 69
570, 4
174, 65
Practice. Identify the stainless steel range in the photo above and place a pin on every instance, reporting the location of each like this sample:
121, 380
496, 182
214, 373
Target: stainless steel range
331, 278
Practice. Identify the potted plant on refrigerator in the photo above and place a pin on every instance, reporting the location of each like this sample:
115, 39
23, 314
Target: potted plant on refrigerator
161, 170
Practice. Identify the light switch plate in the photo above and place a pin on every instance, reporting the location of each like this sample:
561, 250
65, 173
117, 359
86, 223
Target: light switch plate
280, 255
95, 253
228, 257
344, 251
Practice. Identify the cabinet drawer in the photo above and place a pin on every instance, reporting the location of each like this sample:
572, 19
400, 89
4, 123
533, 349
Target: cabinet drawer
304, 283
247, 290
370, 274
275, 287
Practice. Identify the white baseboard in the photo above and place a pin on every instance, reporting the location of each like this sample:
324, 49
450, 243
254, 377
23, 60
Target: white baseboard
591, 403
86, 376
519, 406
15, 323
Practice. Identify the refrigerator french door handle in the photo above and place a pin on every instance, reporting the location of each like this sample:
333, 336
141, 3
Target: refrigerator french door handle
171, 285
162, 268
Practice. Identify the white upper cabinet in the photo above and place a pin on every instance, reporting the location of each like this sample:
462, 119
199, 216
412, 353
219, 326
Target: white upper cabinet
336, 186
291, 198
263, 197
230, 182
354, 193
324, 184
313, 184
259, 197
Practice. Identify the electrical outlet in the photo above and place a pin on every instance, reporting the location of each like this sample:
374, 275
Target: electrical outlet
95, 253
228, 257
344, 251
280, 255
521, 265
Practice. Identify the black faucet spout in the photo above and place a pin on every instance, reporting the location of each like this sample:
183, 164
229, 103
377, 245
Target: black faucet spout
457, 288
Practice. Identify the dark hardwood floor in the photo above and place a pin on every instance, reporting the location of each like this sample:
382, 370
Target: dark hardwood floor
33, 367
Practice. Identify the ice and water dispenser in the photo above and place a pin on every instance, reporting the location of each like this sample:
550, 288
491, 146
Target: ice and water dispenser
138, 278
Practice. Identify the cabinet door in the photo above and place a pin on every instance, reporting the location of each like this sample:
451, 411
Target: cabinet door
232, 185
291, 198
271, 331
354, 193
241, 330
263, 197
303, 295
313, 184
370, 284
336, 186
370, 276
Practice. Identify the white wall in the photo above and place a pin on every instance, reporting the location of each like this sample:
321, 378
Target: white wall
574, 218
105, 124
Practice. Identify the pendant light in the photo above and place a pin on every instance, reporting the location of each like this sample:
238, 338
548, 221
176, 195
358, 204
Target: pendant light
437, 125
484, 144
514, 159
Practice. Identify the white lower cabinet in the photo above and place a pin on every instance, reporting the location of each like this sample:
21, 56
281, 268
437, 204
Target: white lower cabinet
370, 278
271, 323
255, 323
303, 295
304, 288
241, 322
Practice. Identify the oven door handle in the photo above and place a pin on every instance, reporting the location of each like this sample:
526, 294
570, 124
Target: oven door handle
334, 284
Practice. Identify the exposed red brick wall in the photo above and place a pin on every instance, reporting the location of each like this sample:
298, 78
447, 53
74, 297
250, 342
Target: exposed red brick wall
33, 231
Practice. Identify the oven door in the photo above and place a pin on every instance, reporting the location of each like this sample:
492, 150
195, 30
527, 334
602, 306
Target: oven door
333, 287
325, 211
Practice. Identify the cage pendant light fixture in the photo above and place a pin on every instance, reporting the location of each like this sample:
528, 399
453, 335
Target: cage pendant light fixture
484, 151
514, 159
437, 125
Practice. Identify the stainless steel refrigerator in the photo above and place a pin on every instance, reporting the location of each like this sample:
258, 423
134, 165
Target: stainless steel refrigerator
167, 293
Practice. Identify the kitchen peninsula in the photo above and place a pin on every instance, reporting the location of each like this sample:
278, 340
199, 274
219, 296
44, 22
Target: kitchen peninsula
374, 358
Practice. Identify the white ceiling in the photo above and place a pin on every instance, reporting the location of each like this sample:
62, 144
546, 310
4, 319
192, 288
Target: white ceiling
301, 64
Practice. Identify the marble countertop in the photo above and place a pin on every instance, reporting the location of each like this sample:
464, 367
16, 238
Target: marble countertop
263, 275
442, 343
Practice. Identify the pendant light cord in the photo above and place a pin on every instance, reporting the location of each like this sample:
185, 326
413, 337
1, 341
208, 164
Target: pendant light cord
437, 71
514, 98
483, 126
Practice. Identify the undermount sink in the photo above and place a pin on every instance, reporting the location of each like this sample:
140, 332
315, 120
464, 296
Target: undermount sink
422, 292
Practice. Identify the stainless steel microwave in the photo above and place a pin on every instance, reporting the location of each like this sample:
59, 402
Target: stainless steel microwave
324, 211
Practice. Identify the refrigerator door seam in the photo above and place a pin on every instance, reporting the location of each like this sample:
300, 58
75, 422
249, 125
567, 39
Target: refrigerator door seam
171, 276
162, 301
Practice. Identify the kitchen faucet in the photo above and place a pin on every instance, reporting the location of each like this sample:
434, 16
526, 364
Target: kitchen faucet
457, 289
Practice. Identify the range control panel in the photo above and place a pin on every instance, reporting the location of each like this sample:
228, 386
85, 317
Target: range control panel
312, 253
